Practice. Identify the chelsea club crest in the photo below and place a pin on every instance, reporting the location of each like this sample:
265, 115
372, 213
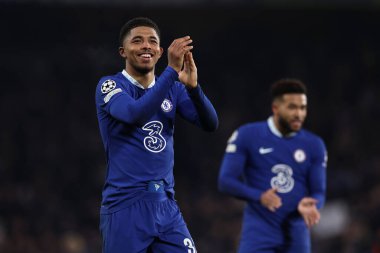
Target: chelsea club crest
299, 155
166, 105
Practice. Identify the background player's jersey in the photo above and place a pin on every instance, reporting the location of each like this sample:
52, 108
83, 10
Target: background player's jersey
295, 165
137, 128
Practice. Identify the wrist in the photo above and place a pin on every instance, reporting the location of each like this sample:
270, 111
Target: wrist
175, 68
192, 86
172, 69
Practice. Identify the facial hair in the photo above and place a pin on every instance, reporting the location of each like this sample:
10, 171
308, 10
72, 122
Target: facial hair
285, 128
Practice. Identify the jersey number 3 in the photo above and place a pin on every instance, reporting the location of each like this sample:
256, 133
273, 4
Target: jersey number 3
154, 142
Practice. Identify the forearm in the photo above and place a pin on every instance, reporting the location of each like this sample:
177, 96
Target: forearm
317, 174
238, 189
317, 184
229, 179
208, 118
320, 197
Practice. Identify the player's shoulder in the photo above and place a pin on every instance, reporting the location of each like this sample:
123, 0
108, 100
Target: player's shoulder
311, 137
253, 126
116, 78
252, 129
108, 87
109, 83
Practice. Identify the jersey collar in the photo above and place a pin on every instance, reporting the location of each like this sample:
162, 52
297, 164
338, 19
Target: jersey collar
134, 82
275, 131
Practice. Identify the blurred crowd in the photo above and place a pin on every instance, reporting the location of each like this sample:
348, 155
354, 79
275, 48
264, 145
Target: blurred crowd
52, 163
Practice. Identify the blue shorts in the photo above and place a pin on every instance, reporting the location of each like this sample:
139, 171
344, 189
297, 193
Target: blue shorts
260, 236
153, 224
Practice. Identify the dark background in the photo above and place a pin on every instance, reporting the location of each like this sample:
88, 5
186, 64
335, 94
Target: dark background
51, 156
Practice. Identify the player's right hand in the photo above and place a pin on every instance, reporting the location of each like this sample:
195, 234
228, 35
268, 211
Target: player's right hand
271, 200
177, 51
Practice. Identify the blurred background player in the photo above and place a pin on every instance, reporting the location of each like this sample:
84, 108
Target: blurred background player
136, 113
280, 170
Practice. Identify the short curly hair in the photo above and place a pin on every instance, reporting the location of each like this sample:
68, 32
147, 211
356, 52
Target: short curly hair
286, 86
137, 22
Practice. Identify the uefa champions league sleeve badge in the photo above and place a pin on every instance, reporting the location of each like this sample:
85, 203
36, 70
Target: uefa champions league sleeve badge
107, 86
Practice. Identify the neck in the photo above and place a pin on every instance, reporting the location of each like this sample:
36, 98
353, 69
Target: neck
145, 79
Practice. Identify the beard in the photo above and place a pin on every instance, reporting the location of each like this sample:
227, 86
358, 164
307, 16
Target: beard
285, 126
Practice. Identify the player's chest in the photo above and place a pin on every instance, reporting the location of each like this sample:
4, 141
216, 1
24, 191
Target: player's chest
296, 155
166, 108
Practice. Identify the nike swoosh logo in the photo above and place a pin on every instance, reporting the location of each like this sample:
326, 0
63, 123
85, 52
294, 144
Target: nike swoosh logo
264, 151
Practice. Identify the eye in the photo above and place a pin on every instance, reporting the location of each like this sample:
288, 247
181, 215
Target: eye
136, 41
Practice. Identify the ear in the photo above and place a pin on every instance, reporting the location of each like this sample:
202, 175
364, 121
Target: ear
122, 52
274, 107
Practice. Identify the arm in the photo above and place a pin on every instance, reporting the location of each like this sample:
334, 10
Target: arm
231, 171
196, 108
193, 105
232, 168
317, 174
308, 206
229, 183
131, 111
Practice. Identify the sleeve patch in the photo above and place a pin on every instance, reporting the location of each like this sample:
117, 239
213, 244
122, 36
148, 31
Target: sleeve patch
324, 164
233, 136
109, 95
231, 148
107, 86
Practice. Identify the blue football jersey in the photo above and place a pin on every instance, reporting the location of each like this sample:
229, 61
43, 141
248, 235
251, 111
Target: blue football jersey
137, 126
258, 158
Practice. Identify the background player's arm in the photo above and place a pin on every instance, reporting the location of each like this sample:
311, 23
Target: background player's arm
308, 206
193, 105
317, 174
232, 168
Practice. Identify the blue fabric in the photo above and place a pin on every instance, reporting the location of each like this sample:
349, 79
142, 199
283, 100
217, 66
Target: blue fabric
151, 224
138, 211
156, 186
137, 127
257, 159
260, 236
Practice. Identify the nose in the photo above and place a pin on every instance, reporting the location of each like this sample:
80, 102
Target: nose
146, 44
298, 113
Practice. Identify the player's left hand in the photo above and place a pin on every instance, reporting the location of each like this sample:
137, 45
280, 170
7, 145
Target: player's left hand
188, 75
308, 209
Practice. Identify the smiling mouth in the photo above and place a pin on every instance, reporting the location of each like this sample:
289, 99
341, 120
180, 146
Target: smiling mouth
146, 56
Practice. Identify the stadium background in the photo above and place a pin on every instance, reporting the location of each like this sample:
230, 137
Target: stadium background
51, 156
